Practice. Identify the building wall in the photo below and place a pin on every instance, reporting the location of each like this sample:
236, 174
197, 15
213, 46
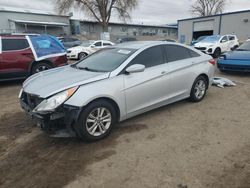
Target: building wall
234, 24
129, 30
223, 24
9, 26
186, 28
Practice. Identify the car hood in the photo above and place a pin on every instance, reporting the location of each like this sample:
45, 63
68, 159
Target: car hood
49, 82
239, 55
203, 44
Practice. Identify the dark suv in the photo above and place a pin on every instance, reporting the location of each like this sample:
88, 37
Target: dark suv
17, 60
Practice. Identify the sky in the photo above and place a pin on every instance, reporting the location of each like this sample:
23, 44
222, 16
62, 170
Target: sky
155, 12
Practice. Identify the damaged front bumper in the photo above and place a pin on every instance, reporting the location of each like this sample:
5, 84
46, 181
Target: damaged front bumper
60, 121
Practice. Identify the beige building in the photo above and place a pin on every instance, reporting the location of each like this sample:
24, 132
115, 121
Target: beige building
237, 23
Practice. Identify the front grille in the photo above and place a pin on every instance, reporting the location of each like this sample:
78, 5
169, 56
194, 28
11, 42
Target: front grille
200, 48
31, 100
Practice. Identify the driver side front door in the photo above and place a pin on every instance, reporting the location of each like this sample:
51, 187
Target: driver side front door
147, 90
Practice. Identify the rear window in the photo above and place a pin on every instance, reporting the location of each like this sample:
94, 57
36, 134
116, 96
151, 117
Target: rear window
14, 44
176, 53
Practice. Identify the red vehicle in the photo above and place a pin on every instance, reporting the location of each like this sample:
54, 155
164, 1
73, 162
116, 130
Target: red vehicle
17, 60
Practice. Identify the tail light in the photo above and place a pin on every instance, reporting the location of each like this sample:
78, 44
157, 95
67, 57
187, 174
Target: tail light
212, 61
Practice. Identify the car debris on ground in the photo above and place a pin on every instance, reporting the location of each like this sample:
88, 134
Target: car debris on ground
222, 82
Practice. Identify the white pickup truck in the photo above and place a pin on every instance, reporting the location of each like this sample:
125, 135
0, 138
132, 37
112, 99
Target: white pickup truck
216, 44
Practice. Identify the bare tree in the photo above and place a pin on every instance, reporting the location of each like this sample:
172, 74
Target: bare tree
208, 7
101, 10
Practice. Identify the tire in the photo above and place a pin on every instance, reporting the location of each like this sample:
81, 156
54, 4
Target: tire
217, 53
199, 89
82, 55
39, 67
90, 127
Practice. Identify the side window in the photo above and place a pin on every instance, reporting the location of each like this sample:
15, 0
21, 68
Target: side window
149, 57
176, 53
224, 39
106, 44
231, 37
14, 44
98, 44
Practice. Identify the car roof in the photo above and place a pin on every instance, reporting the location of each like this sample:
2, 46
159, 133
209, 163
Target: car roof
141, 44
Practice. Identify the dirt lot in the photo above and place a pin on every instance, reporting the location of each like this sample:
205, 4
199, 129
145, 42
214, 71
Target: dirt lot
204, 145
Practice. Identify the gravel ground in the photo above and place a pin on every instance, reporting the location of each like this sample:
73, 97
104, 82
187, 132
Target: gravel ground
204, 145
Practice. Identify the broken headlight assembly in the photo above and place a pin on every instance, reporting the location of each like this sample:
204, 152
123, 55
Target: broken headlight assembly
50, 104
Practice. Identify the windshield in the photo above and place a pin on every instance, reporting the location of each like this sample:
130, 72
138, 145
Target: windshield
105, 60
200, 38
244, 47
86, 44
211, 39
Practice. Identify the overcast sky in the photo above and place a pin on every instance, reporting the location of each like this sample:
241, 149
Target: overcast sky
148, 12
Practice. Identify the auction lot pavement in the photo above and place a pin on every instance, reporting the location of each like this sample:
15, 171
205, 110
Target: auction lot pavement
182, 145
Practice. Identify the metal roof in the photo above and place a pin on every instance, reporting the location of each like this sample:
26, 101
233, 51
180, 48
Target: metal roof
29, 11
40, 23
223, 14
131, 24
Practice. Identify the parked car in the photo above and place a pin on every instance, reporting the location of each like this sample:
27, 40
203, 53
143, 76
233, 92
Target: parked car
69, 42
114, 84
215, 45
237, 60
17, 58
126, 39
169, 40
197, 40
86, 48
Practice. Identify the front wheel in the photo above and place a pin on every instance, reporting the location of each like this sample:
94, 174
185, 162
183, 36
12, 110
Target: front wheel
217, 53
82, 56
199, 89
96, 121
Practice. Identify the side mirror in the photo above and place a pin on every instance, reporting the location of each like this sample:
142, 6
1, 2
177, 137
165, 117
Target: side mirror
222, 41
92, 46
135, 68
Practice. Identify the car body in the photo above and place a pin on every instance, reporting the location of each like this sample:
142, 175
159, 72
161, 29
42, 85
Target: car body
119, 82
126, 39
215, 45
86, 48
197, 40
17, 60
237, 60
69, 42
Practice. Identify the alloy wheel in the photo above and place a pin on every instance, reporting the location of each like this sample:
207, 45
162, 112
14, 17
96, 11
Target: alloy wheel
98, 121
200, 89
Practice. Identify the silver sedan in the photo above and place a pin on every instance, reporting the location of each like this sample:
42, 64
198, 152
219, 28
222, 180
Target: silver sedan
89, 97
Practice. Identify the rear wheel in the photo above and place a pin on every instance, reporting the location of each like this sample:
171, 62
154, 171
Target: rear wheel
96, 121
82, 55
199, 89
39, 67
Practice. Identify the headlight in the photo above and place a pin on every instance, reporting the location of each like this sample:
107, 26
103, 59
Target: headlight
20, 93
53, 102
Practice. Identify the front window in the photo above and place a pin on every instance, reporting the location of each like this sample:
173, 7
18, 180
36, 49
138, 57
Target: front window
212, 39
105, 60
244, 47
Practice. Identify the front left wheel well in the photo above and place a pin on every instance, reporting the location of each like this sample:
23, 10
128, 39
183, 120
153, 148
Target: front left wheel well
112, 102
